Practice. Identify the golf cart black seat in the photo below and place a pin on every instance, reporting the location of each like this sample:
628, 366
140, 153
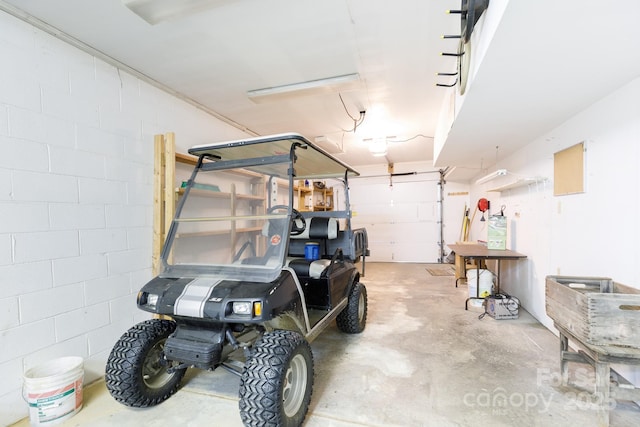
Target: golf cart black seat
318, 231
308, 268
319, 228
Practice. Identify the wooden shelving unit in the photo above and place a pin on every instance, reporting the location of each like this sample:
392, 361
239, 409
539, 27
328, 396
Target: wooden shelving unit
221, 232
314, 199
220, 194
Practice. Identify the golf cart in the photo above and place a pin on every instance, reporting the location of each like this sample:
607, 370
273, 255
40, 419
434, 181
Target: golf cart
248, 280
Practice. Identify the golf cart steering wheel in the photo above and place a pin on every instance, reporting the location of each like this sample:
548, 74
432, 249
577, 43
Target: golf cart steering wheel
295, 228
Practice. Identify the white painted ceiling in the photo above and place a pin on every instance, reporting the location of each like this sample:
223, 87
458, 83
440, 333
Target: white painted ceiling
548, 59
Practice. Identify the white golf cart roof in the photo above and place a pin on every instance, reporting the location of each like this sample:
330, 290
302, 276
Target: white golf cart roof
311, 162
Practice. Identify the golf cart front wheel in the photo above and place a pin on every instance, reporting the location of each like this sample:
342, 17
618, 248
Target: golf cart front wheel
276, 385
137, 372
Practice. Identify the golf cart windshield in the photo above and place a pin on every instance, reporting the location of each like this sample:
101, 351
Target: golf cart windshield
235, 213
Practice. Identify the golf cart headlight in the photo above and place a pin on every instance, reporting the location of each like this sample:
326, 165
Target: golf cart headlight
149, 300
242, 307
152, 300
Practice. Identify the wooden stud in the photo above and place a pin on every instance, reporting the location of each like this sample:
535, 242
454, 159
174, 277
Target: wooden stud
163, 196
158, 201
169, 180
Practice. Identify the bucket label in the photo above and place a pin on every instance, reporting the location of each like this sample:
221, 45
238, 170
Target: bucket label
79, 394
54, 404
45, 400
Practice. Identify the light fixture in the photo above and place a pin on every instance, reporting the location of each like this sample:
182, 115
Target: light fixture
310, 87
328, 144
156, 11
492, 175
377, 146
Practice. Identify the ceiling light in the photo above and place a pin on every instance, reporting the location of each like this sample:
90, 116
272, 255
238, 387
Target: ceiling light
156, 11
377, 146
491, 176
328, 144
310, 87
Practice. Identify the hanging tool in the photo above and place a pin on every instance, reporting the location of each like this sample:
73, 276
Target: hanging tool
483, 206
475, 211
464, 232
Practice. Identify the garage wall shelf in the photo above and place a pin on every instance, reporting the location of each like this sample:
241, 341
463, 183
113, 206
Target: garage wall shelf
520, 182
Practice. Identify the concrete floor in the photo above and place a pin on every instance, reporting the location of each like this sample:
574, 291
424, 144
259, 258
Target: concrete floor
421, 361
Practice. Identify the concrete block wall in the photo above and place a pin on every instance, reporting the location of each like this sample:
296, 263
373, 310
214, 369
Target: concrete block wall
76, 170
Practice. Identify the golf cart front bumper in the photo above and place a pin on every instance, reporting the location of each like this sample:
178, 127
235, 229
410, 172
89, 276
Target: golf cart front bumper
196, 346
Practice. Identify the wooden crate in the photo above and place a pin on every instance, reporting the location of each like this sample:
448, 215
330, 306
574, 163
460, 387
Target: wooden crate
597, 310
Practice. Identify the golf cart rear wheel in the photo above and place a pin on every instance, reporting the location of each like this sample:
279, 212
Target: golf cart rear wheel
353, 318
276, 384
137, 372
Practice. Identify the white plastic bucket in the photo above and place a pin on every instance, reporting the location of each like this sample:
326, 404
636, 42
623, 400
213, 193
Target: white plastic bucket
485, 285
53, 390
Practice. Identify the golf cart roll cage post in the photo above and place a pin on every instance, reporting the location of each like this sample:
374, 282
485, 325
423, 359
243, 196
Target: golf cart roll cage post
292, 172
357, 234
346, 197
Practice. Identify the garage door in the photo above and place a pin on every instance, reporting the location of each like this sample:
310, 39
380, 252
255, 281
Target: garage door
401, 219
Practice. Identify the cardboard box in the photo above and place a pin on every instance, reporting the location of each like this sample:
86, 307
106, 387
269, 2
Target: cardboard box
497, 232
502, 307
